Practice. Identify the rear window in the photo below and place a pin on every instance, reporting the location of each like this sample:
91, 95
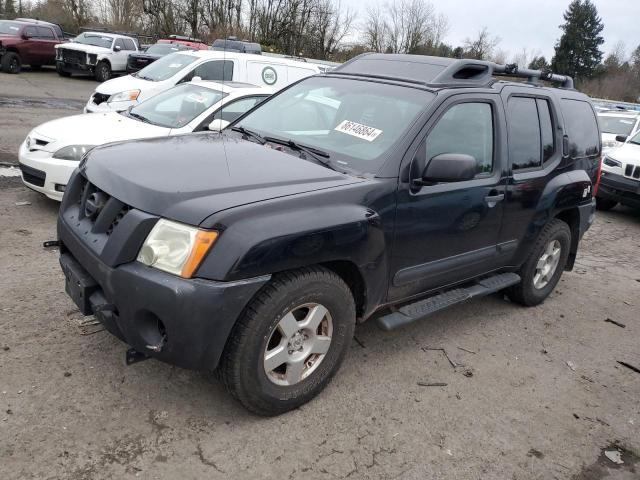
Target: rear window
582, 128
616, 125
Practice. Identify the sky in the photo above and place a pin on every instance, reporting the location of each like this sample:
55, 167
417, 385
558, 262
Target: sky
533, 24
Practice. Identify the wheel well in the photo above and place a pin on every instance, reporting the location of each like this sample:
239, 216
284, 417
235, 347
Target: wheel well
572, 218
103, 60
353, 278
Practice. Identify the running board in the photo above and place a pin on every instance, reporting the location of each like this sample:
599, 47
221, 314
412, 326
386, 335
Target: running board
423, 308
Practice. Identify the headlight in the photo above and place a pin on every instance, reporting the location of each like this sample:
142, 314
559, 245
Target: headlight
129, 95
610, 162
176, 248
72, 152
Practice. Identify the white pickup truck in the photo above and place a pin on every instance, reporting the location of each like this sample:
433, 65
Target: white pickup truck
95, 53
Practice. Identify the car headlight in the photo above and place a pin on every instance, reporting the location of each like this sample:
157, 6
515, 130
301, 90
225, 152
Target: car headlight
72, 152
176, 248
128, 95
610, 162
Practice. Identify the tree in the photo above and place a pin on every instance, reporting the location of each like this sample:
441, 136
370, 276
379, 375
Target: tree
482, 46
577, 52
9, 9
539, 63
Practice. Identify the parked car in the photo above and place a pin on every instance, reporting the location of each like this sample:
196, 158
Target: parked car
98, 54
138, 61
52, 150
615, 123
232, 44
620, 181
193, 43
397, 181
121, 93
28, 43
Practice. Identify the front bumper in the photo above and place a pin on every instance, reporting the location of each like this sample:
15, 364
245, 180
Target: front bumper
43, 173
81, 68
619, 188
184, 322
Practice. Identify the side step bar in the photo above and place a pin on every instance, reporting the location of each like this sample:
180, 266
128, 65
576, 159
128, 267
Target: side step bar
423, 308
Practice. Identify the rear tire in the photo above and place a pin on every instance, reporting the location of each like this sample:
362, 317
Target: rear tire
102, 73
298, 327
605, 204
542, 271
61, 71
11, 63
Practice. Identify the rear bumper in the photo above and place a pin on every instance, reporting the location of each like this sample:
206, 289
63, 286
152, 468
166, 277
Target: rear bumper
141, 305
619, 188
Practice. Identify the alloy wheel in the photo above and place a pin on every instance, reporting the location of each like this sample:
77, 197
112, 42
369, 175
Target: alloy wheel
547, 264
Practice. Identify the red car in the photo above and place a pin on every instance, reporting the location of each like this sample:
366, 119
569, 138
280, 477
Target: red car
194, 43
28, 42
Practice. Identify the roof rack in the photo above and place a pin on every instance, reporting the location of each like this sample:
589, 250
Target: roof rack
441, 71
183, 38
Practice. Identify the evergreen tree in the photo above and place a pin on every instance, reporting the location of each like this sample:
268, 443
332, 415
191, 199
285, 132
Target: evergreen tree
539, 63
9, 10
578, 53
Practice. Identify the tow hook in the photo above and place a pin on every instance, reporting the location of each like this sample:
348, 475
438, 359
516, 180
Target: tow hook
158, 346
51, 244
133, 356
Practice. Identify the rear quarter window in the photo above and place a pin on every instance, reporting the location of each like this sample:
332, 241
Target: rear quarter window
581, 127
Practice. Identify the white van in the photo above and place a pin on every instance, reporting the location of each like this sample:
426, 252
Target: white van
120, 93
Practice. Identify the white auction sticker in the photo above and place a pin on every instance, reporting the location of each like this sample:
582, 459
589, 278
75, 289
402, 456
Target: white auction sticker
358, 130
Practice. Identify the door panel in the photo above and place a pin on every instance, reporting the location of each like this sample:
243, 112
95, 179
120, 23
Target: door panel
448, 232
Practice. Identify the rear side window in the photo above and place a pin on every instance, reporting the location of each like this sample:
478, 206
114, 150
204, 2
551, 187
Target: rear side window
45, 33
546, 129
582, 128
524, 133
220, 70
232, 111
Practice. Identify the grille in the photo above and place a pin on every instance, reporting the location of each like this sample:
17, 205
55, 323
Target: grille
74, 56
99, 98
33, 176
102, 210
632, 171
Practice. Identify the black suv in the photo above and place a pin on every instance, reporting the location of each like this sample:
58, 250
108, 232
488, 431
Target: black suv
391, 188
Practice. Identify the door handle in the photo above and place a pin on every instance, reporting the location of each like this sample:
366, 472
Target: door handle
491, 200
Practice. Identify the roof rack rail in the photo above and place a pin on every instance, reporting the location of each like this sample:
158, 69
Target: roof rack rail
184, 38
532, 76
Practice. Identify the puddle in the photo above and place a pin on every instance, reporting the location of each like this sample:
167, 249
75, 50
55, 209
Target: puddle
56, 103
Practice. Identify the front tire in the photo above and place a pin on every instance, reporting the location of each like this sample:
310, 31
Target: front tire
102, 72
290, 341
11, 63
605, 204
61, 71
542, 271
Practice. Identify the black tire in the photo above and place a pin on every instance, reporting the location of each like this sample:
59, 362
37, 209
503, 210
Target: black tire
242, 367
525, 292
61, 71
102, 72
11, 63
605, 204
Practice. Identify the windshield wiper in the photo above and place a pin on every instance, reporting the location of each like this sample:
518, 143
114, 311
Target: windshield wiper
140, 117
249, 133
320, 156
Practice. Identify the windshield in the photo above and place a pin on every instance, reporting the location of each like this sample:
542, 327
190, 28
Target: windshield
176, 107
635, 139
163, 49
94, 39
9, 28
356, 122
616, 125
166, 67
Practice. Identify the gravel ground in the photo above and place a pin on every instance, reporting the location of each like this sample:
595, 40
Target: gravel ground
537, 394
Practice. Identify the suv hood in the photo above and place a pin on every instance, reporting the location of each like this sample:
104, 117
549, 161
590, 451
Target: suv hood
628, 153
82, 47
187, 178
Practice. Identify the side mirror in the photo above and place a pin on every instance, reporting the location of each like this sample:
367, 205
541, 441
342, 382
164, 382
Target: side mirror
621, 138
117, 48
218, 125
450, 167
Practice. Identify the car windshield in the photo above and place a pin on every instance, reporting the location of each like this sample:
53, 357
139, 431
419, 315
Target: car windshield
166, 67
176, 107
94, 39
9, 28
163, 49
616, 125
635, 139
355, 122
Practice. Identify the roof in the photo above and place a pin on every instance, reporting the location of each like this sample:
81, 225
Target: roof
438, 72
227, 55
231, 87
619, 113
106, 34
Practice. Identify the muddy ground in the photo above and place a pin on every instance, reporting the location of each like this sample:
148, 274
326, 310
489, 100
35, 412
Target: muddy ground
538, 393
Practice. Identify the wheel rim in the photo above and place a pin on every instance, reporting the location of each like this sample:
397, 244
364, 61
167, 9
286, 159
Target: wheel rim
298, 344
547, 264
14, 65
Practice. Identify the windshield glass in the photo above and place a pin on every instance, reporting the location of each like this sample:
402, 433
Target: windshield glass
9, 28
356, 122
94, 39
635, 139
178, 106
166, 67
163, 49
616, 125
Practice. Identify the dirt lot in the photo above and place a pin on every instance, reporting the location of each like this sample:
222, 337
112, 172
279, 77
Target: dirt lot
541, 397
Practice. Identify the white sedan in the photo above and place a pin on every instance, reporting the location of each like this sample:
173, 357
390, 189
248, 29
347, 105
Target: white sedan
53, 150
